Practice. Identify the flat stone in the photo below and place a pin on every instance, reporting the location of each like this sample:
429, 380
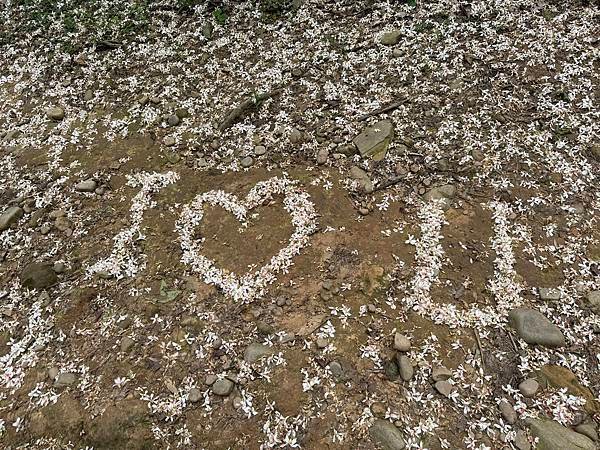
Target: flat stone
529, 387
553, 436
38, 275
443, 387
534, 328
222, 387
256, 351
86, 186
195, 395
55, 113
441, 373
386, 435
10, 216
549, 294
405, 367
374, 141
508, 412
587, 429
401, 342
65, 379
391, 37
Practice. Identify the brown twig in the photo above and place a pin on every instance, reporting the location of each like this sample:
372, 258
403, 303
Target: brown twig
480, 348
383, 110
246, 107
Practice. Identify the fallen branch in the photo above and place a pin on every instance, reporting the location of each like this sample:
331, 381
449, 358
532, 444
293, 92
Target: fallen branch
383, 110
246, 107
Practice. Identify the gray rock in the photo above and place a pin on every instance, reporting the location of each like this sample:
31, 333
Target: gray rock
53, 372
445, 193
443, 387
173, 120
374, 141
246, 162
86, 186
441, 373
322, 156
386, 435
58, 267
195, 395
222, 387
405, 367
55, 113
260, 150
10, 216
169, 141
549, 294
401, 342
534, 328
322, 342
508, 412
38, 275
256, 351
521, 441
210, 379
593, 299
553, 436
358, 174
529, 387
295, 136
65, 379
207, 30
391, 37
336, 369
126, 344
588, 429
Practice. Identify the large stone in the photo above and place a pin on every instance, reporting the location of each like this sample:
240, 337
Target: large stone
38, 275
374, 141
553, 436
534, 328
256, 351
10, 216
386, 435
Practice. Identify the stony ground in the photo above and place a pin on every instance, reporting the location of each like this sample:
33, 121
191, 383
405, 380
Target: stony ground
286, 224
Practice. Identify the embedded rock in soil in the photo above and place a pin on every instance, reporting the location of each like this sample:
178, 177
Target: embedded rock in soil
374, 141
55, 113
222, 387
10, 216
86, 186
195, 395
445, 193
256, 351
553, 436
440, 373
443, 387
529, 387
38, 275
386, 435
534, 328
508, 412
593, 299
391, 37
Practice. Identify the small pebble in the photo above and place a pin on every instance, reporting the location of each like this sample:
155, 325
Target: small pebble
401, 343
247, 162
260, 150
